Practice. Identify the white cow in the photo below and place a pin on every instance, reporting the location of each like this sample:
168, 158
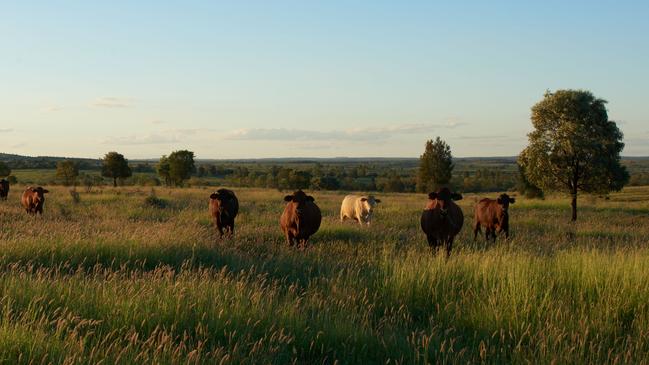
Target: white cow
359, 208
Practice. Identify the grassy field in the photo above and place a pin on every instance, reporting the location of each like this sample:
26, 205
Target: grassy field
113, 279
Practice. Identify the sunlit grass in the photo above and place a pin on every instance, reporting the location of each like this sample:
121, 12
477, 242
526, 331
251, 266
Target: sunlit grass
116, 279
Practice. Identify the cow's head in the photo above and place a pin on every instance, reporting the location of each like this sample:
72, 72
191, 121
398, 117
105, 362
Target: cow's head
222, 198
504, 200
298, 199
38, 194
369, 203
443, 196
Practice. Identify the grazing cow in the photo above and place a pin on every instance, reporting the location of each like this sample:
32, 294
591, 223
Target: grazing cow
359, 208
493, 215
224, 207
4, 189
33, 200
301, 218
442, 219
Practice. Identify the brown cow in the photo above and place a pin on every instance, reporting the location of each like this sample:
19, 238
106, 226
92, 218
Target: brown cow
442, 219
224, 207
4, 189
33, 199
301, 218
493, 215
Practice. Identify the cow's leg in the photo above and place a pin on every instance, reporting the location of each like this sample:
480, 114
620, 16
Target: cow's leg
342, 216
432, 243
289, 239
449, 247
232, 229
476, 230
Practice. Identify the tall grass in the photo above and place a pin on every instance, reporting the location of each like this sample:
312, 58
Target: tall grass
115, 279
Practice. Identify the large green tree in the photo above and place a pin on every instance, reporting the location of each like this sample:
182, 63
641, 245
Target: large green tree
574, 146
67, 172
177, 167
435, 166
115, 166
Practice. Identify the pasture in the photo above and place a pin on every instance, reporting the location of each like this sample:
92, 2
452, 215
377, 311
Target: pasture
121, 277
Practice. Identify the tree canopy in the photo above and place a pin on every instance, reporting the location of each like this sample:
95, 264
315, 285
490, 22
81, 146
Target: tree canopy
5, 170
67, 172
177, 167
115, 166
574, 146
435, 166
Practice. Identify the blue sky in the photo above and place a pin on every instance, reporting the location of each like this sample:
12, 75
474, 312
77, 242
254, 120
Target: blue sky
305, 78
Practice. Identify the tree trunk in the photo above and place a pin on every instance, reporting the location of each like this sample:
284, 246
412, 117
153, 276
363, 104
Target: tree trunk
114, 182
574, 207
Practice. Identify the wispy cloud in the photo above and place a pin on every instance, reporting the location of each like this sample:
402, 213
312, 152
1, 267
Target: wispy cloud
356, 134
53, 109
158, 122
19, 145
6, 130
142, 140
112, 102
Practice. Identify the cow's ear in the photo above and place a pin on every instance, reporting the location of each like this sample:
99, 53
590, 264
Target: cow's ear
32, 190
214, 196
363, 199
456, 196
377, 200
512, 200
288, 198
310, 198
45, 191
432, 196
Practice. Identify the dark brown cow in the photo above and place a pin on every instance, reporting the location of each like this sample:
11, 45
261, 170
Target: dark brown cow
4, 189
33, 200
301, 218
493, 215
224, 207
442, 219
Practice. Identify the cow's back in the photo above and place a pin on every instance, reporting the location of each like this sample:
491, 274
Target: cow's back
27, 199
311, 219
486, 212
348, 207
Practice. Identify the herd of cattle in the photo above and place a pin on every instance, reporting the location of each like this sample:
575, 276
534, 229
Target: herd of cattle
441, 219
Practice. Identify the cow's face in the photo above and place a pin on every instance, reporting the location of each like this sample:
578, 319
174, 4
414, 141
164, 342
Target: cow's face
220, 200
504, 200
38, 194
443, 197
369, 203
298, 199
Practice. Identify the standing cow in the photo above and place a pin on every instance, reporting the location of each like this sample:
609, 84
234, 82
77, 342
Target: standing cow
359, 208
224, 207
4, 189
442, 219
493, 215
33, 200
301, 218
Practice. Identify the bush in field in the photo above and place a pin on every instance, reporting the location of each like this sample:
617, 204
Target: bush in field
67, 172
525, 187
574, 146
153, 201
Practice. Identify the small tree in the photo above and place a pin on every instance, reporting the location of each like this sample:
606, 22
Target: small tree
181, 166
5, 170
67, 172
163, 169
435, 166
574, 147
115, 166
